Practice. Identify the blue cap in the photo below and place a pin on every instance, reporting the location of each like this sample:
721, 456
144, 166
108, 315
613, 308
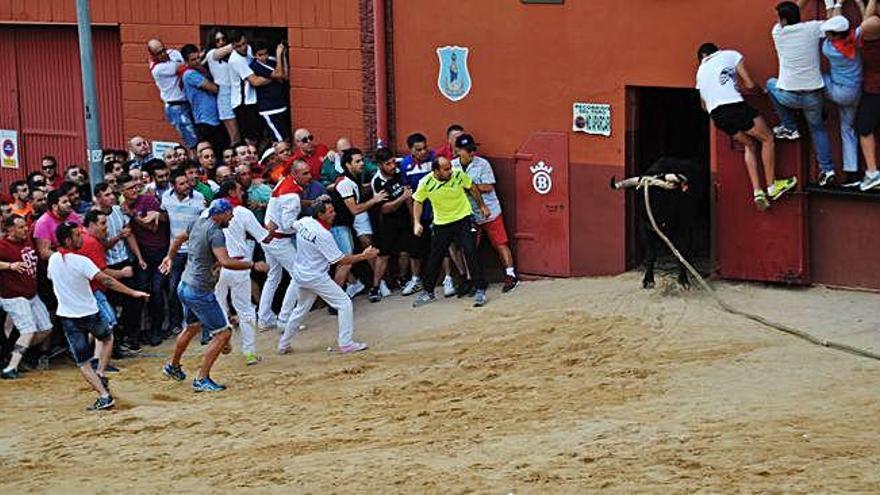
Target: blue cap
219, 207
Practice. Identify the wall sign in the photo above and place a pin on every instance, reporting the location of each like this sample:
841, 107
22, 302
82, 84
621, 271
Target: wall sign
454, 79
542, 182
8, 148
159, 147
592, 118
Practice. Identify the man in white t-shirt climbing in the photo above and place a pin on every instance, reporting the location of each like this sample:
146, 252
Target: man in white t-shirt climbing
243, 81
721, 74
316, 251
164, 67
70, 274
800, 84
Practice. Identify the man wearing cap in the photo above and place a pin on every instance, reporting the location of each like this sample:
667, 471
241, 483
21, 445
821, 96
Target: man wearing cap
800, 84
206, 245
480, 171
447, 190
317, 251
165, 67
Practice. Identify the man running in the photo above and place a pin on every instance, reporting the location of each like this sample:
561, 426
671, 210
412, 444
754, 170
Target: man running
206, 245
71, 275
316, 251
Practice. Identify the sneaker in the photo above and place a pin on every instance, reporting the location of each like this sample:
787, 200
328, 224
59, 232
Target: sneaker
207, 385
102, 403
12, 374
761, 200
375, 295
176, 330
870, 182
175, 372
826, 178
132, 345
109, 369
411, 287
465, 289
383, 289
448, 287
480, 298
781, 132
780, 187
285, 350
424, 298
252, 358
510, 283
353, 347
355, 288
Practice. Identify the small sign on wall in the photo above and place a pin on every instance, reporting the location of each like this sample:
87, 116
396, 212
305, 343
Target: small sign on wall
8, 148
592, 118
159, 147
454, 80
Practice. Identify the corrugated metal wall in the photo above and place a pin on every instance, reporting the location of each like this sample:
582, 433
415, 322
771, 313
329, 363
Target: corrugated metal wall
43, 92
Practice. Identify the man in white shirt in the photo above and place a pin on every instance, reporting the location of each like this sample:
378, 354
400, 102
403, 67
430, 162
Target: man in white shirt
241, 236
164, 65
800, 84
70, 274
243, 80
721, 74
317, 251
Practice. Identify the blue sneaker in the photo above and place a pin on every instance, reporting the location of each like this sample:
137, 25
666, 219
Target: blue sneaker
175, 372
207, 385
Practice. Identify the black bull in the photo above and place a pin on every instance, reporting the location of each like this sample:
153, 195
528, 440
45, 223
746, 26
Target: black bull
675, 199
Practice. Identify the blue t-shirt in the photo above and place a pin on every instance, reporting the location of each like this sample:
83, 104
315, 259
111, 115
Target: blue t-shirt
412, 173
270, 96
312, 191
844, 71
203, 103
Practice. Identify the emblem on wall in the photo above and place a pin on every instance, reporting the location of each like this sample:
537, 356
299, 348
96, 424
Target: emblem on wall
454, 79
541, 180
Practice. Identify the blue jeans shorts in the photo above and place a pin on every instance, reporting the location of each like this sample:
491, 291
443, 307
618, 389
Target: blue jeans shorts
343, 236
105, 309
77, 331
179, 117
205, 308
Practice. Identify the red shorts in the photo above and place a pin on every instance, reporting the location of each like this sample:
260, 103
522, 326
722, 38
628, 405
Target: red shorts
495, 230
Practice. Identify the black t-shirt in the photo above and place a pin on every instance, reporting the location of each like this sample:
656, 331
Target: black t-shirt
394, 186
270, 96
345, 188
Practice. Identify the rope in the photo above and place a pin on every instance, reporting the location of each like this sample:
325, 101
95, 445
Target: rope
646, 183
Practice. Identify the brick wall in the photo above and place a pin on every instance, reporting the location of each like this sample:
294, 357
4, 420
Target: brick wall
327, 93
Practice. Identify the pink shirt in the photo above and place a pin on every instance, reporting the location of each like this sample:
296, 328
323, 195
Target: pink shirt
45, 226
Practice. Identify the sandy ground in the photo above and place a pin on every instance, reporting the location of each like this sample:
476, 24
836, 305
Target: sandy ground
560, 387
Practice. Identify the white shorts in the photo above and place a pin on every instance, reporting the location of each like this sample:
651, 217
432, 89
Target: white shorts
28, 315
362, 224
224, 103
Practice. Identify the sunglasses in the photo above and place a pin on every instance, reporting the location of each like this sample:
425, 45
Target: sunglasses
307, 139
48, 167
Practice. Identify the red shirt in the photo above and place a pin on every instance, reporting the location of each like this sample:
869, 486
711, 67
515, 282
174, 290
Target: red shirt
286, 186
445, 151
93, 250
14, 284
315, 160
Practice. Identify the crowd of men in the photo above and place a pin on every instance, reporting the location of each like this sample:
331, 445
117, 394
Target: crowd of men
852, 82
162, 245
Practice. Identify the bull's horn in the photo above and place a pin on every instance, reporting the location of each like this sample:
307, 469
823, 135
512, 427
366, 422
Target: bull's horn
627, 183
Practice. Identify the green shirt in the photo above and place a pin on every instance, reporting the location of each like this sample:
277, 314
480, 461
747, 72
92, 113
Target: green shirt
448, 199
329, 172
206, 191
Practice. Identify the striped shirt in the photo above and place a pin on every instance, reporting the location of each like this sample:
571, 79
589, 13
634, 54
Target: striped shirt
116, 221
182, 213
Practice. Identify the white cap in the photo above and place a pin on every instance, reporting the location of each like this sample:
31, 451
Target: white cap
837, 24
266, 154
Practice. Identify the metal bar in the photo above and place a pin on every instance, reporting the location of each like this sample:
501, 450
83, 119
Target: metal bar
90, 92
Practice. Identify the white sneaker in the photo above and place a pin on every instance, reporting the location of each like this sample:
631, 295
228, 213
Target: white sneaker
383, 289
870, 182
355, 288
414, 285
448, 287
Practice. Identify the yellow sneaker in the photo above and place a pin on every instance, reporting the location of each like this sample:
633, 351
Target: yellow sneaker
780, 187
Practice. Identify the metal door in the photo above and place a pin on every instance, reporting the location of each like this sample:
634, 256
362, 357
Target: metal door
542, 205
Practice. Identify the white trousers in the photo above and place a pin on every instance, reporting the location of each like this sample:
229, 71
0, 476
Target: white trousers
280, 255
238, 283
333, 295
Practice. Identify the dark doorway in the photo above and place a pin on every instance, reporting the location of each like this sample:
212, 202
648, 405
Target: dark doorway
668, 122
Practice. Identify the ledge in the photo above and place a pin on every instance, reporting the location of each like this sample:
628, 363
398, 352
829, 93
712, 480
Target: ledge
839, 192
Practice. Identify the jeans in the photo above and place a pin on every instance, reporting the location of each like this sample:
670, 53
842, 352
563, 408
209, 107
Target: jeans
77, 331
180, 118
175, 309
464, 234
847, 100
811, 102
132, 309
204, 306
150, 280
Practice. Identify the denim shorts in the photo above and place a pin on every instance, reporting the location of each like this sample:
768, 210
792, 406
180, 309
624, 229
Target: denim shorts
344, 240
180, 118
224, 102
77, 331
105, 309
204, 307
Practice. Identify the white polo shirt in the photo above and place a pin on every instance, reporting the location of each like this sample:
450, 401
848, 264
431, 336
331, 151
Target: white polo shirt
716, 79
167, 79
239, 70
243, 223
70, 275
797, 47
283, 211
315, 251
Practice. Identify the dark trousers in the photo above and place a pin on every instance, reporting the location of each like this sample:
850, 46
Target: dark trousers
214, 134
132, 309
278, 125
175, 308
463, 234
150, 281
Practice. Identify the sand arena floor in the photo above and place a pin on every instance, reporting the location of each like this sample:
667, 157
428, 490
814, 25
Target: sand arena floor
560, 387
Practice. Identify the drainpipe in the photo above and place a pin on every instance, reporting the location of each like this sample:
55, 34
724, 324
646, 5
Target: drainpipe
380, 68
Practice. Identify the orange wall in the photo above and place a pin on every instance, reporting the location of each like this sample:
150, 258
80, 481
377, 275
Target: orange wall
324, 35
